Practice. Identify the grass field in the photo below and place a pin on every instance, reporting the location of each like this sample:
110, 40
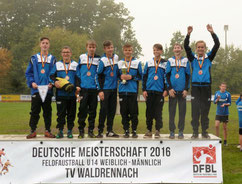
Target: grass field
14, 118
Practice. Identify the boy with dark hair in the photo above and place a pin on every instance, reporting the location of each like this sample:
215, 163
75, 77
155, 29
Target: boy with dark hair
131, 72
178, 78
107, 79
37, 74
223, 100
201, 64
65, 70
154, 90
87, 88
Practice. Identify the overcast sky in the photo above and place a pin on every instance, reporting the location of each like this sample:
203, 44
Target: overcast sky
156, 20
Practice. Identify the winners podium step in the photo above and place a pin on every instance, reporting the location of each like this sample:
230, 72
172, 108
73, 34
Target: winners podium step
40, 137
110, 160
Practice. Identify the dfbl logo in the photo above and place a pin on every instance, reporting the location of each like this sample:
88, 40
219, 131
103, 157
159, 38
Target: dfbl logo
204, 155
204, 159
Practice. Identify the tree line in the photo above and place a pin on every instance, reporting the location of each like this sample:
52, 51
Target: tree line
72, 23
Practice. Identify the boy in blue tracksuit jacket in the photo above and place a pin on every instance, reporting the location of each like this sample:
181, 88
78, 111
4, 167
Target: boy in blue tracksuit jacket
86, 72
223, 100
37, 73
154, 90
201, 64
239, 107
107, 81
130, 73
65, 100
178, 78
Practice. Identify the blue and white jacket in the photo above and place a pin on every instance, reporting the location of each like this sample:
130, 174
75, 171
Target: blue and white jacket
183, 81
104, 79
85, 81
59, 71
135, 70
151, 85
203, 79
33, 71
225, 98
239, 107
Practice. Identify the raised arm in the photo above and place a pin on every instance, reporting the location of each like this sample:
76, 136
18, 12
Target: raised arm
188, 49
215, 48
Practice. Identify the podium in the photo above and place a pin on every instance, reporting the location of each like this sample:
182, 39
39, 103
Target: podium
110, 160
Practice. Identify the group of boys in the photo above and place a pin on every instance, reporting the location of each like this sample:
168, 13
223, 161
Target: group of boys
101, 76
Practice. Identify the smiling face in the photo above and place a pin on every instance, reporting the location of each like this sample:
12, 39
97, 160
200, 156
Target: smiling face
223, 87
157, 52
200, 48
128, 51
44, 45
109, 50
177, 50
66, 54
91, 49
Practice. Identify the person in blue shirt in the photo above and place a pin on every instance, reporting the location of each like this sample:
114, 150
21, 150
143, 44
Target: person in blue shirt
130, 73
201, 64
37, 74
107, 82
223, 100
239, 107
154, 90
87, 88
178, 78
65, 100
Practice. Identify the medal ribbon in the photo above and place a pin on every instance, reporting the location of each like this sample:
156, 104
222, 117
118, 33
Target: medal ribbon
128, 67
112, 66
67, 70
201, 65
156, 65
179, 64
43, 62
89, 66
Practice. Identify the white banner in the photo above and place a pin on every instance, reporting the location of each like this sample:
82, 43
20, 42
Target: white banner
111, 161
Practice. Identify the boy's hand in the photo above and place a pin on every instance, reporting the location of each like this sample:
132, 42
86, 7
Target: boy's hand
50, 85
34, 85
165, 93
210, 28
126, 77
145, 94
218, 98
184, 94
189, 30
57, 84
101, 95
172, 93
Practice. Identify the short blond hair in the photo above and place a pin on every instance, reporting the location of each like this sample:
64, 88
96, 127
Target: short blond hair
91, 42
200, 41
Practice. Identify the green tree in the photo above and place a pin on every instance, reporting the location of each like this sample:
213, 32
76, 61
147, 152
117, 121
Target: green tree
59, 38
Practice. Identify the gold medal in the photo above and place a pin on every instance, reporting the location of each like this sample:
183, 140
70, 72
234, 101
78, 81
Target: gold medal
200, 72
42, 71
111, 74
177, 76
89, 73
67, 77
155, 77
